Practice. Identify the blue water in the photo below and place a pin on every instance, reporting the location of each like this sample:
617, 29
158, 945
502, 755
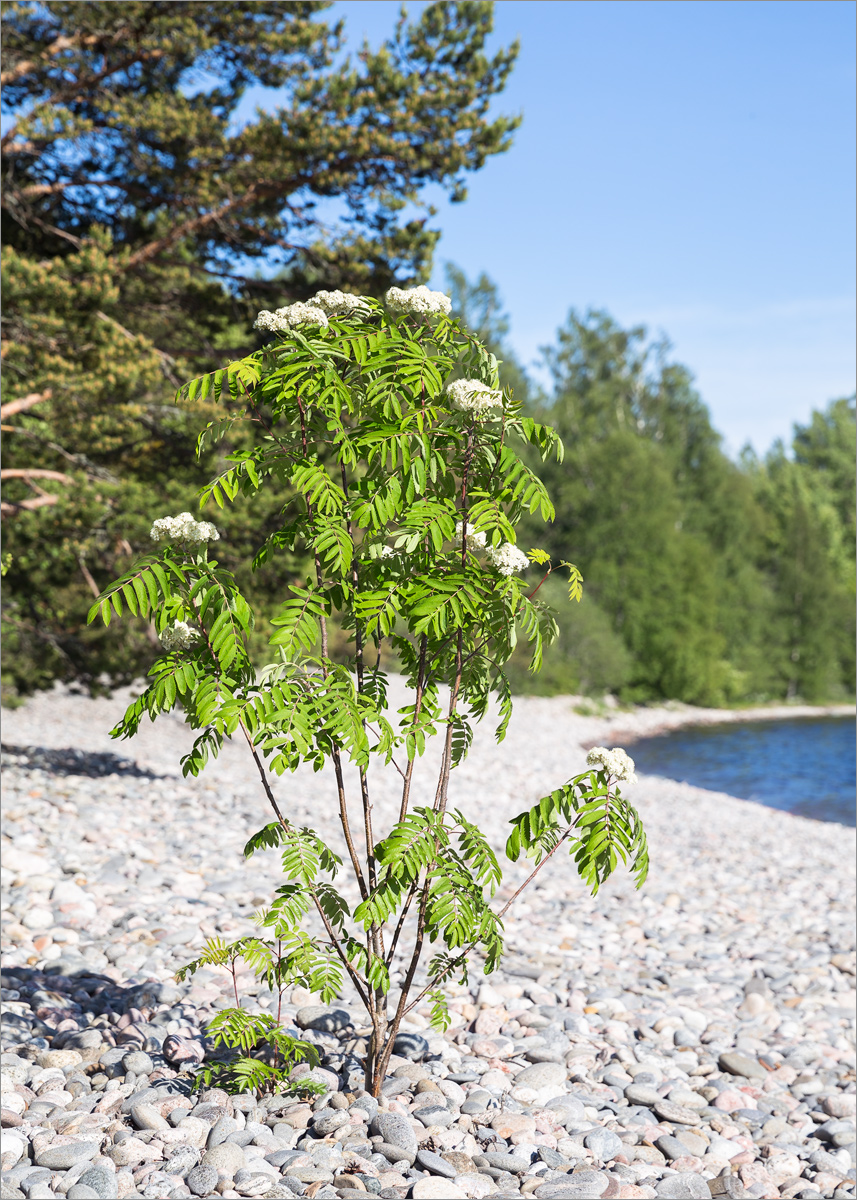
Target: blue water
804, 766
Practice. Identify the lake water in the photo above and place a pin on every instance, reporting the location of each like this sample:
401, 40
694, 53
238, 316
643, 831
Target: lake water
804, 766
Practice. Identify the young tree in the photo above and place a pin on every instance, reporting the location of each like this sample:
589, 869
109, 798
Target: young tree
401, 452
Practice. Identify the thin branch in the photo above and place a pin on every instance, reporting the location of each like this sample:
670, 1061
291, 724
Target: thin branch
8, 509
90, 582
337, 758
406, 790
15, 406
28, 473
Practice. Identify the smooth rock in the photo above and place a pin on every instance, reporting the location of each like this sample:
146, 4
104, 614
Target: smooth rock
582, 1185
604, 1144
432, 1188
434, 1114
397, 1154
138, 1062
327, 1122
676, 1114
740, 1064
684, 1186
60, 1158
227, 1157
145, 1116
202, 1180
412, 1046
430, 1161
395, 1130
541, 1075
182, 1159
322, 1018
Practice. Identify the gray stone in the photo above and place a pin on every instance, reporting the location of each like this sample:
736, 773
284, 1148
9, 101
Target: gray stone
145, 1095
138, 1062
543, 1054
683, 1186
84, 1039
432, 1188
412, 1046
60, 1158
182, 1159
281, 1158
825, 1161
429, 1161
369, 1105
322, 1018
670, 1146
638, 1093
604, 1144
329, 1120
202, 1180
145, 1116
395, 1130
553, 1158
541, 1075
571, 1106
77, 1191
582, 1185
434, 1114
513, 1163
676, 1114
226, 1157
220, 1131
397, 1154
101, 1180
740, 1064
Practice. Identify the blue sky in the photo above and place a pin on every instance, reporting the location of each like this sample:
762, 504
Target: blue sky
684, 164
688, 165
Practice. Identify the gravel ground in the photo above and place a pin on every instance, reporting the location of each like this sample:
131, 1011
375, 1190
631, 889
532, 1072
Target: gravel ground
693, 1039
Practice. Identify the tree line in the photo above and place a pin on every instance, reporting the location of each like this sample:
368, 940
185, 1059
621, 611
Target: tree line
137, 213
706, 580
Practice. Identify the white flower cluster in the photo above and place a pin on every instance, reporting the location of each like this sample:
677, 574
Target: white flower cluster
475, 538
615, 762
507, 558
289, 317
340, 303
471, 396
183, 528
179, 636
418, 301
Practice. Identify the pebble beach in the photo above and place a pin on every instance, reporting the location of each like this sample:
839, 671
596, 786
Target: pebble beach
692, 1039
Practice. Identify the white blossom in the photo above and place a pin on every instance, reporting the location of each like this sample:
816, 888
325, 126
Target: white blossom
615, 762
183, 528
507, 558
179, 636
340, 303
475, 538
289, 317
471, 396
419, 301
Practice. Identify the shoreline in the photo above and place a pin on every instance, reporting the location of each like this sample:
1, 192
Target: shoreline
688, 716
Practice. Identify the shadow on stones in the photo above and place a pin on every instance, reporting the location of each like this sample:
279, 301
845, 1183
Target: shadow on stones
71, 761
